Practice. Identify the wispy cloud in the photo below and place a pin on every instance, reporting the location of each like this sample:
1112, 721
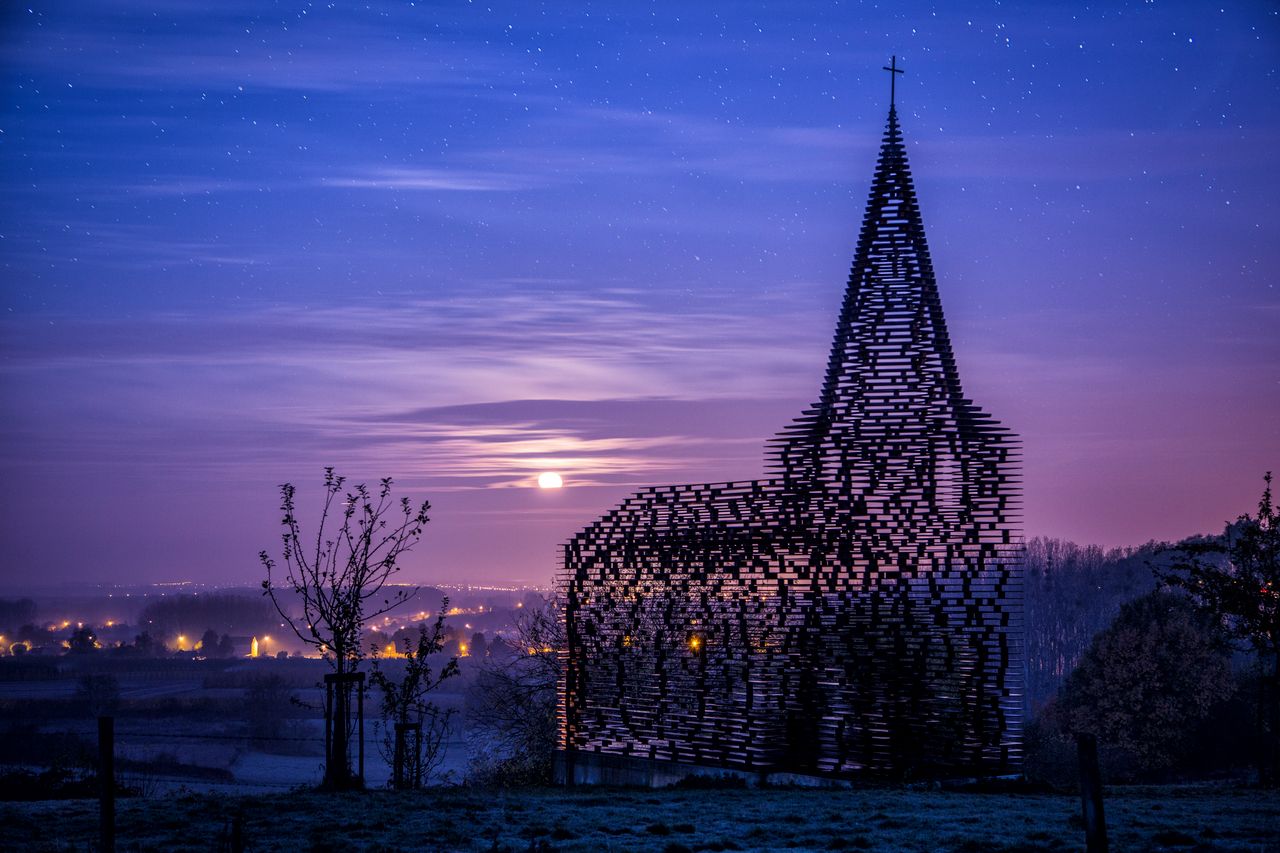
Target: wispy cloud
591, 442
438, 179
184, 186
476, 392
231, 47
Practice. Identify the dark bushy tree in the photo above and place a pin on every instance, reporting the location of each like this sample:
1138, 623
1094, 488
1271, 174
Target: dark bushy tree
1236, 580
83, 640
209, 644
146, 645
1147, 681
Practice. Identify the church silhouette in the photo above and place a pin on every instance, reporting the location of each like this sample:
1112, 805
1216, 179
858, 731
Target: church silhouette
858, 612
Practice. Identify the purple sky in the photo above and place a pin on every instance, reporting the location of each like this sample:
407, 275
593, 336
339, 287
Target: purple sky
463, 243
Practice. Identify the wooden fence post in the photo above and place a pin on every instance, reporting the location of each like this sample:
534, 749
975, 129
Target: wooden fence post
107, 784
328, 729
360, 717
1095, 822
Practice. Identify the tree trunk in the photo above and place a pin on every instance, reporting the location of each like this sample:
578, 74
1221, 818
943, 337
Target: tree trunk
338, 771
397, 763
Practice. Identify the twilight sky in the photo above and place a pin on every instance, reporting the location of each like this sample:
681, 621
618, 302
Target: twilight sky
464, 243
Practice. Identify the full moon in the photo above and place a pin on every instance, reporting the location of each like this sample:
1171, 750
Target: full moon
550, 480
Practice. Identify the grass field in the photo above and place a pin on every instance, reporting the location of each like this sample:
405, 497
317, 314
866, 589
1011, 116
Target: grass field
1165, 818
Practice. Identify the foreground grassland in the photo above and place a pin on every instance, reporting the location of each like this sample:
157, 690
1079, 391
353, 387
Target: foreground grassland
1166, 818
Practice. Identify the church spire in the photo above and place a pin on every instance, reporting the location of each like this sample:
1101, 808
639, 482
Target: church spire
891, 356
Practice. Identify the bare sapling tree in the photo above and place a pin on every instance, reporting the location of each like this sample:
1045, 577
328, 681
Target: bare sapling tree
339, 581
414, 727
513, 705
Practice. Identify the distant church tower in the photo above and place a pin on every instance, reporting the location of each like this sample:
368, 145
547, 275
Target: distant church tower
859, 612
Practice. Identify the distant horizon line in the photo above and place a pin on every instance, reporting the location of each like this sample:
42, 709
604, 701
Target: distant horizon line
515, 585
61, 588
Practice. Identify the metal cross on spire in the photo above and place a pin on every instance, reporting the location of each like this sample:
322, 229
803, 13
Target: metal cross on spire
893, 70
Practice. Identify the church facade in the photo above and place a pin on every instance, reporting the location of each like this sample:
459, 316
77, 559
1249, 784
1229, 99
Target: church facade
857, 612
